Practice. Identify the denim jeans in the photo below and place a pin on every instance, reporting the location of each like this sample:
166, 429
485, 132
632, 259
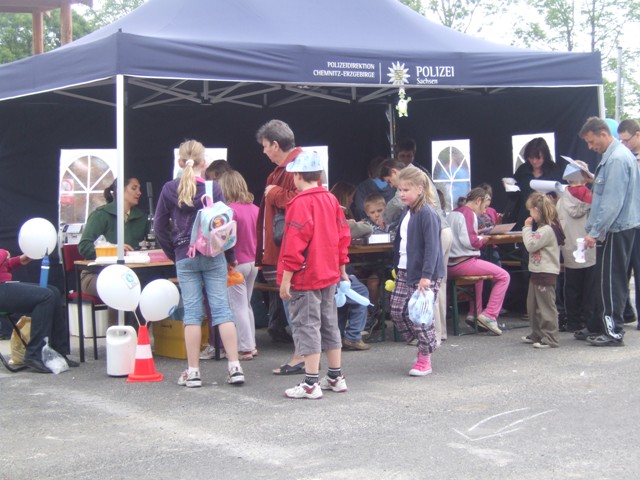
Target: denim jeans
209, 273
352, 317
44, 306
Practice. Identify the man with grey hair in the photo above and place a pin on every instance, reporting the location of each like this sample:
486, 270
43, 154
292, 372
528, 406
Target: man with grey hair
611, 226
279, 145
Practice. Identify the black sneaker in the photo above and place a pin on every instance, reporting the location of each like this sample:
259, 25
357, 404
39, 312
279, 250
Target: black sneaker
36, 365
71, 362
605, 341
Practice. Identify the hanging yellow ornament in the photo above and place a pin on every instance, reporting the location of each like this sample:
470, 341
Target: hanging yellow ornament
403, 103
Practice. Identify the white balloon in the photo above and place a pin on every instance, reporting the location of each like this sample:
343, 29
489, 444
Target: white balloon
37, 238
158, 300
119, 287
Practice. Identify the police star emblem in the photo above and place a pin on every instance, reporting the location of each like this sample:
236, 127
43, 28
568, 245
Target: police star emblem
398, 75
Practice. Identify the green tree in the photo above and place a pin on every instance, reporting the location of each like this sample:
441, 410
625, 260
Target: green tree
415, 5
16, 28
16, 39
111, 10
456, 14
467, 15
586, 25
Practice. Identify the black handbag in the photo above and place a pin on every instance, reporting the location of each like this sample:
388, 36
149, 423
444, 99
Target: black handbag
278, 226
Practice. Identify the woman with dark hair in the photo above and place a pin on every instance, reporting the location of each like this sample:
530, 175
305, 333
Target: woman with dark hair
538, 166
102, 221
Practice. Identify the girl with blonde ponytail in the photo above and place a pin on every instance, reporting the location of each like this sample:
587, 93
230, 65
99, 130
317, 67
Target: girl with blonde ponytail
177, 207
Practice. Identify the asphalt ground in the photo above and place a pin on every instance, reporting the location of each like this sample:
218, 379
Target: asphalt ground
493, 408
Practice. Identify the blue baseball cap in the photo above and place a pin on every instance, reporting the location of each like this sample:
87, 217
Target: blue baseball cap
305, 162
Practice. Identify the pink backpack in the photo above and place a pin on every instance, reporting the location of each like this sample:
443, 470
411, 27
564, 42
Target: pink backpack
214, 229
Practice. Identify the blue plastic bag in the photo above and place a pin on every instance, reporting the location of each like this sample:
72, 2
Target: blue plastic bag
421, 307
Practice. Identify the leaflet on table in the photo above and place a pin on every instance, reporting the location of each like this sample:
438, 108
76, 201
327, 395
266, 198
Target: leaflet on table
379, 238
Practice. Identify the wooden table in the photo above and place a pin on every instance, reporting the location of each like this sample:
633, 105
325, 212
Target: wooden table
376, 257
374, 248
503, 239
91, 265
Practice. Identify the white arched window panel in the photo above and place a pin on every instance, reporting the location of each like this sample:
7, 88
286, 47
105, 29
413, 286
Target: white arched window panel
84, 174
451, 168
518, 143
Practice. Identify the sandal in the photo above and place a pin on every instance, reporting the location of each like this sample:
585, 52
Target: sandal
287, 369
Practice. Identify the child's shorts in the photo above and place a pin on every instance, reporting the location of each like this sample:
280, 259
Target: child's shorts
314, 318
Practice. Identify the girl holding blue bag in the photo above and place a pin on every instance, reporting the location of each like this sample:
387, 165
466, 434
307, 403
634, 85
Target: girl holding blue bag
418, 263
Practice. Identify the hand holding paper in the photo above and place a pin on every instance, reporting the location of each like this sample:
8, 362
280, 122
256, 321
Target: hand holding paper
547, 186
578, 254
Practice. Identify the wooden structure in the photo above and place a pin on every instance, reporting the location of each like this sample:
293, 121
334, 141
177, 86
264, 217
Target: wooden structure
37, 8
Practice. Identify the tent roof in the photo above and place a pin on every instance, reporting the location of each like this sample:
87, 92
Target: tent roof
342, 43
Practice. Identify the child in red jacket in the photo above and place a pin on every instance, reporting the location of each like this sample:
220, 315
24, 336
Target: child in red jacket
312, 261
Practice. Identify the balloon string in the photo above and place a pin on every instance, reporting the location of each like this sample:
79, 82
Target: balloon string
137, 319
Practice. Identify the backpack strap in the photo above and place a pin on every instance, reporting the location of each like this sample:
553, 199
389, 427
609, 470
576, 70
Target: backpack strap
194, 236
208, 187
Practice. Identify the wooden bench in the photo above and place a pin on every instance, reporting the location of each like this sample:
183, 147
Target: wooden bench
265, 287
465, 284
511, 263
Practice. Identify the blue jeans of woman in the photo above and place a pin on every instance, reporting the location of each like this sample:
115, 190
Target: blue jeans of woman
352, 317
210, 274
44, 306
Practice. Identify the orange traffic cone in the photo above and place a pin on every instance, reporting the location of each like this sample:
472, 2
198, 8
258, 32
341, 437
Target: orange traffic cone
144, 369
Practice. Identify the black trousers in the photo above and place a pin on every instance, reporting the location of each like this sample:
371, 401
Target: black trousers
612, 264
634, 266
44, 305
579, 298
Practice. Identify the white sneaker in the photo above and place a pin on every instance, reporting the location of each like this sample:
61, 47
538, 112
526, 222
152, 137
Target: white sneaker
336, 384
489, 323
236, 376
208, 352
312, 392
190, 380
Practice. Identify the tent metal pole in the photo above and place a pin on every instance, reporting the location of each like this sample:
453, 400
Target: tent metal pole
392, 130
601, 106
120, 174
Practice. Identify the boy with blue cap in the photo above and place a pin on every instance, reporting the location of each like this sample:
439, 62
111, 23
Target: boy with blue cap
312, 261
579, 274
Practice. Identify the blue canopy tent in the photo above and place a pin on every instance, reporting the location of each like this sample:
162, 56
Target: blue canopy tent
314, 62
354, 43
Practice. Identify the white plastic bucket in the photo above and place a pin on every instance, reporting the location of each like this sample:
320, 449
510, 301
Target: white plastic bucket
121, 350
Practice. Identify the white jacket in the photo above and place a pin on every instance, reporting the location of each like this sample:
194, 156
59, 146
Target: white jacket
573, 214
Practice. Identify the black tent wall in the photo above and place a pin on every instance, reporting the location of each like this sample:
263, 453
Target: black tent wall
32, 132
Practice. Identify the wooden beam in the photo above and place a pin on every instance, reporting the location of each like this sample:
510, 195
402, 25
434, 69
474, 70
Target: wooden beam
66, 25
29, 5
38, 29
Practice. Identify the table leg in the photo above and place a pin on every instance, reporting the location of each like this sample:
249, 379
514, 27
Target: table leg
79, 306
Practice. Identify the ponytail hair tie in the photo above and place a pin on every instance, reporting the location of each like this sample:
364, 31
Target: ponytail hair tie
189, 163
